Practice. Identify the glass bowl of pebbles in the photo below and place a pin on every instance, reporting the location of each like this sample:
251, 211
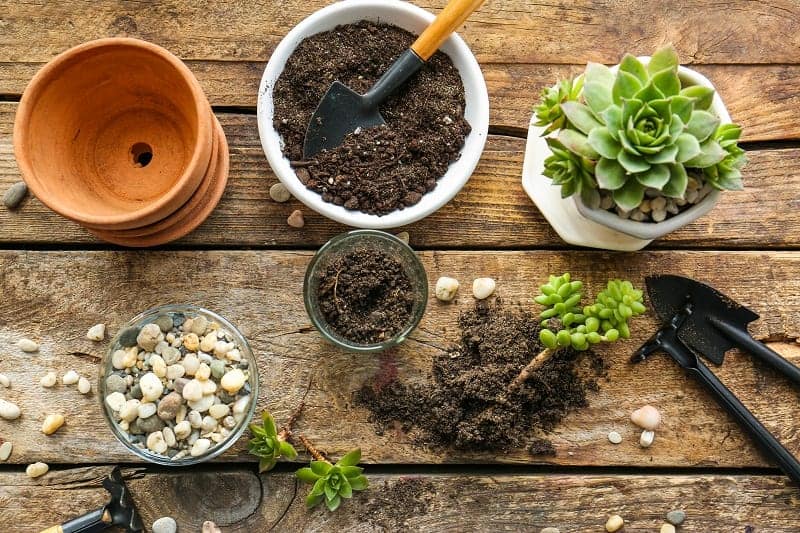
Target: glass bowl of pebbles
178, 385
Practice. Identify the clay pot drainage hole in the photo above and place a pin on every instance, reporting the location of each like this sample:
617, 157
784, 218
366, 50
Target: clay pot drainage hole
142, 154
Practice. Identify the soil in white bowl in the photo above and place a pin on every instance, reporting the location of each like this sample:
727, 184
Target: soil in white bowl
377, 170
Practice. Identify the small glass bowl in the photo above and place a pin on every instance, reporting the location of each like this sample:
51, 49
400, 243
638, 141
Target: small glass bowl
188, 311
360, 239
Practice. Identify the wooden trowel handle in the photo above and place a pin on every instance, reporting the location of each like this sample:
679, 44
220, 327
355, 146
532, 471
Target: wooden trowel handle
449, 19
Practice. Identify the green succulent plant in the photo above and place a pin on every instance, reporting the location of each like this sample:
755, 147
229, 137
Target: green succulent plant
565, 323
268, 444
727, 173
548, 111
333, 482
637, 129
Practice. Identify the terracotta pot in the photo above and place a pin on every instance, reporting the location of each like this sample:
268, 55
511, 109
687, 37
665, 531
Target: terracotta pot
195, 216
114, 134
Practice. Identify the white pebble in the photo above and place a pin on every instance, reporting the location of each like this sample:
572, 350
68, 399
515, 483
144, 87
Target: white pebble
233, 381
658, 203
208, 342
175, 371
165, 524
209, 423
52, 423
200, 447
182, 430
84, 385
148, 337
8, 410
5, 381
199, 325
96, 332
404, 236
151, 387
296, 219
70, 378
27, 345
647, 417
130, 410
156, 442
234, 356
193, 391
279, 193
646, 439
169, 437
117, 359
219, 410
36, 470
158, 365
146, 410
483, 288
203, 404
48, 380
241, 405
5, 450
195, 419
190, 363
614, 523
446, 288
209, 387
667, 528
614, 437
203, 372
658, 215
115, 401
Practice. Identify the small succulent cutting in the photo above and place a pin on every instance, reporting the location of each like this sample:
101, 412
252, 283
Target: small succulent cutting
332, 482
268, 444
634, 130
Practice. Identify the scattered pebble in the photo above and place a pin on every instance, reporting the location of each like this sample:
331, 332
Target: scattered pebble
37, 470
676, 517
96, 332
482, 288
5, 381
614, 437
667, 528
647, 417
404, 236
614, 523
279, 193
84, 385
48, 380
446, 288
52, 423
646, 439
27, 345
5, 450
165, 524
70, 378
15, 194
296, 219
550, 530
8, 410
210, 527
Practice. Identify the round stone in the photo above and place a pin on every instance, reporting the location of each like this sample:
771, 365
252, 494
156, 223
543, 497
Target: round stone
676, 517
179, 384
446, 288
296, 219
279, 193
96, 332
203, 404
482, 288
169, 405
164, 323
218, 369
8, 410
150, 425
219, 410
614, 437
193, 391
191, 363
156, 443
146, 409
70, 378
36, 470
130, 411
200, 447
233, 381
165, 524
148, 337
15, 194
49, 380
5, 450
182, 430
170, 355
151, 387
115, 401
84, 385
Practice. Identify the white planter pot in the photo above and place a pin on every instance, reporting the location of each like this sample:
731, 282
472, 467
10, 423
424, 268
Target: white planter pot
581, 225
415, 20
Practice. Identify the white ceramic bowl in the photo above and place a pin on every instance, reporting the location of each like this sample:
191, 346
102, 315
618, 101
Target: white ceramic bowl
415, 20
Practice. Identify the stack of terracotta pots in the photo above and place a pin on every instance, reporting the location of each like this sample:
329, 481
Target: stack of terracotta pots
117, 135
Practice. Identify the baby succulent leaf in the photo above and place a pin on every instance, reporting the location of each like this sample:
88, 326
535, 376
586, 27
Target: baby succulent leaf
333, 482
727, 173
267, 444
548, 111
571, 171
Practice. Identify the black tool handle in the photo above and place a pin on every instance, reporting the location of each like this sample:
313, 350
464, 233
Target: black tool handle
401, 70
764, 439
92, 522
743, 340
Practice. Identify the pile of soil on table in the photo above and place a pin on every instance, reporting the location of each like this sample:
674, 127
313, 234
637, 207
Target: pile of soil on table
463, 407
365, 295
383, 169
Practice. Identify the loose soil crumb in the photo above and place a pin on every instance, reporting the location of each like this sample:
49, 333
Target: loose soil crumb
365, 296
463, 406
395, 502
378, 170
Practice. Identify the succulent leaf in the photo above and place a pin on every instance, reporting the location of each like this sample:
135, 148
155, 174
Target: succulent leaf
267, 444
333, 482
548, 111
664, 58
580, 116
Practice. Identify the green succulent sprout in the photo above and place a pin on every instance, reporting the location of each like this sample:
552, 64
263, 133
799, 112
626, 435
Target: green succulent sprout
566, 324
333, 482
638, 129
727, 173
548, 112
268, 444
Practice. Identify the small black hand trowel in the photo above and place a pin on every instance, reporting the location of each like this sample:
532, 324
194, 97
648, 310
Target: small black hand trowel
700, 320
342, 110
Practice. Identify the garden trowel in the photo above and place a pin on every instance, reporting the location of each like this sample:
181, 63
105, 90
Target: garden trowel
342, 110
699, 320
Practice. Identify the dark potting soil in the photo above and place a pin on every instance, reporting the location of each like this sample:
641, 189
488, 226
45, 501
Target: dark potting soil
383, 169
365, 295
463, 406
391, 505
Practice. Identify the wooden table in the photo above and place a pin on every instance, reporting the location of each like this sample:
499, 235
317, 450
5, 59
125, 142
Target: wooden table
247, 264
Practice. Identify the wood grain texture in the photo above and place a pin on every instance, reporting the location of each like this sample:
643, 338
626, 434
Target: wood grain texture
54, 297
492, 211
241, 501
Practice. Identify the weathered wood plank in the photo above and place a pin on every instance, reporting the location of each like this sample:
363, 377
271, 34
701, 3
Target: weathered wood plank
491, 212
54, 297
240, 500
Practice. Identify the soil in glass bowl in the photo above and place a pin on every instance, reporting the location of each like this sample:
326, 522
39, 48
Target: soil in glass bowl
376, 170
365, 296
